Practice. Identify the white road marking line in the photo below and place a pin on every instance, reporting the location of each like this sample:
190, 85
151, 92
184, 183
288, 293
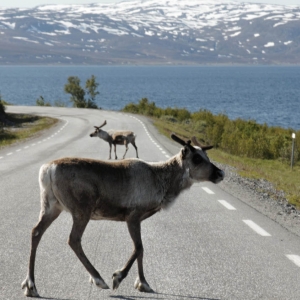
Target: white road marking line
26, 147
1, 157
207, 190
294, 258
33, 144
227, 205
158, 146
18, 150
256, 228
10, 153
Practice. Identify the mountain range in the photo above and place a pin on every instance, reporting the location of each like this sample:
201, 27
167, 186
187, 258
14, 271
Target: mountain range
151, 32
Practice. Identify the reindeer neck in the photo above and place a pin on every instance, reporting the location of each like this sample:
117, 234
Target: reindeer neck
175, 177
104, 135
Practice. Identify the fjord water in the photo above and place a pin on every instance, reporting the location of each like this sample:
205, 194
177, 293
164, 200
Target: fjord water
266, 94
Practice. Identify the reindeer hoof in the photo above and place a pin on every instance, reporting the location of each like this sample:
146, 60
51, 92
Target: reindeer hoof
142, 286
99, 282
30, 289
117, 279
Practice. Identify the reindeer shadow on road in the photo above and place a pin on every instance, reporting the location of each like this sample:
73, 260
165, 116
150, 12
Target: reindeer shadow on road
161, 296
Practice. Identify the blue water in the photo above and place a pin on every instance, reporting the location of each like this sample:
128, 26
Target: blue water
265, 94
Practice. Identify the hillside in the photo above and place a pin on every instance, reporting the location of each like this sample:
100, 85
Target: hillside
151, 32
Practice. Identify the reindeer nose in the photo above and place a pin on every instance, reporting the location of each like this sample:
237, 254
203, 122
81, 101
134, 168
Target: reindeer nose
221, 174
91, 135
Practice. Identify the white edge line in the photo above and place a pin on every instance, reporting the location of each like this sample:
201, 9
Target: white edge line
208, 191
294, 258
227, 205
256, 228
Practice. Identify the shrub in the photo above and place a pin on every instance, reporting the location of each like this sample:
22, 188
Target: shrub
41, 102
244, 138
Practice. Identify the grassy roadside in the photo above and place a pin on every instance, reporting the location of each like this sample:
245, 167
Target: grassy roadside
22, 127
277, 172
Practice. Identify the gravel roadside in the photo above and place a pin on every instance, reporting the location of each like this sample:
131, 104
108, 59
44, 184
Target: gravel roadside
262, 196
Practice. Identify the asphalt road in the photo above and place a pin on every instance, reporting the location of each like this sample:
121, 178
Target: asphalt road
208, 245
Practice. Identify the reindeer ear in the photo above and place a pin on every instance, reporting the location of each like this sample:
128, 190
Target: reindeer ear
184, 152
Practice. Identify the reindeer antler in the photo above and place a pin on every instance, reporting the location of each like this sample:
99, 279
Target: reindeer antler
196, 143
182, 142
104, 123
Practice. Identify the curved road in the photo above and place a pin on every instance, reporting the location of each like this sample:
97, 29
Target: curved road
209, 245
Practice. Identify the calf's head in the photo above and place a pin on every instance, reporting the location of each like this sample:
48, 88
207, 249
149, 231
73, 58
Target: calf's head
195, 159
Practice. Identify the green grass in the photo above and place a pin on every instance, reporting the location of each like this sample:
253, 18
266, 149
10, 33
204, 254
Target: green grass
23, 127
277, 172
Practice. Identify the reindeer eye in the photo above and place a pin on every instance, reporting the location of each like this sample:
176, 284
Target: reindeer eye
197, 159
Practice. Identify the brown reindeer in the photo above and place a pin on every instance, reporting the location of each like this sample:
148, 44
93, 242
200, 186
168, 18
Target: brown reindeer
115, 137
90, 190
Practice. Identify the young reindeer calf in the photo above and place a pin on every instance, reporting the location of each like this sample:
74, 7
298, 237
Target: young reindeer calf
116, 137
90, 190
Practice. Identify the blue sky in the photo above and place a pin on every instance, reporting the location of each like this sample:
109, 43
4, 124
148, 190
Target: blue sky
32, 3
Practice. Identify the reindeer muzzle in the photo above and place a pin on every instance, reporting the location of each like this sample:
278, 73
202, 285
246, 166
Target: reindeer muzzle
217, 176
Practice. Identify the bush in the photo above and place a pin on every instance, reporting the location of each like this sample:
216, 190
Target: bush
244, 138
41, 102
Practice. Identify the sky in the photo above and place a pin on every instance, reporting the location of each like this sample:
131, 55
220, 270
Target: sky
33, 3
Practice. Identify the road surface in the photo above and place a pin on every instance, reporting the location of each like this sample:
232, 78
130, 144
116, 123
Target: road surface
208, 245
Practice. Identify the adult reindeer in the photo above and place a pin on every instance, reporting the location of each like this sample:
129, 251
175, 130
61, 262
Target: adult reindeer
115, 137
131, 190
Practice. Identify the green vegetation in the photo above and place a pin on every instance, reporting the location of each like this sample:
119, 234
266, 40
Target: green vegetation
21, 126
256, 151
41, 102
78, 93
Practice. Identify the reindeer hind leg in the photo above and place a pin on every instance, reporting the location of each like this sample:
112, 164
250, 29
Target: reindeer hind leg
50, 210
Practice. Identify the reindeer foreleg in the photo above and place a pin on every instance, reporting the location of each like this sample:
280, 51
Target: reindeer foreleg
78, 228
109, 151
115, 148
136, 149
134, 228
126, 146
